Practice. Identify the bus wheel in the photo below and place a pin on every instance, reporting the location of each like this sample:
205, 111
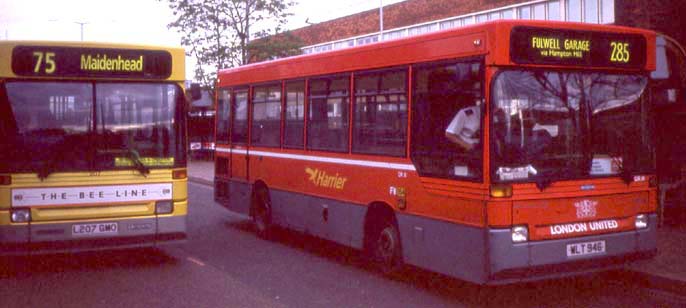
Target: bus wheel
386, 251
261, 213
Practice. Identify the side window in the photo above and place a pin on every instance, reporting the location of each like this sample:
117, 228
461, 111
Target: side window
223, 115
295, 114
327, 127
380, 119
266, 116
239, 106
447, 139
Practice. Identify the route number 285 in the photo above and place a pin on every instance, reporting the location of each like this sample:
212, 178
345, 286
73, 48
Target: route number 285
620, 52
44, 60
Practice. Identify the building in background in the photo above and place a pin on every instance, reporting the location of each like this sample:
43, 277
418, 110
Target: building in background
414, 17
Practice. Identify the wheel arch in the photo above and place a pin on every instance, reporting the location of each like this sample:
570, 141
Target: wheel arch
377, 213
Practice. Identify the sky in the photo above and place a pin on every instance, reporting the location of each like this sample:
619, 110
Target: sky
134, 21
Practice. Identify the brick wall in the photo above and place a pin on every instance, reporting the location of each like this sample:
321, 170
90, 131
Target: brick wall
666, 16
396, 15
661, 15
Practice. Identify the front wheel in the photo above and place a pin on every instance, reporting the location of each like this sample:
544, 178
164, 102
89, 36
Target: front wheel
386, 251
261, 213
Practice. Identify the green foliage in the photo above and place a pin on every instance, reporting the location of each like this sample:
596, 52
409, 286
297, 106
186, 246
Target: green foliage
217, 32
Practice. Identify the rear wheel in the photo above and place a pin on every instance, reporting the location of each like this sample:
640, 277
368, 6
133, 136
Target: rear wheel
261, 213
386, 251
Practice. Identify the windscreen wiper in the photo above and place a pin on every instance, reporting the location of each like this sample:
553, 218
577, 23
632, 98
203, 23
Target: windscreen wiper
136, 159
132, 155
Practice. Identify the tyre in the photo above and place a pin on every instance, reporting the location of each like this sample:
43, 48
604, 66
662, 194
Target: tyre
386, 251
261, 213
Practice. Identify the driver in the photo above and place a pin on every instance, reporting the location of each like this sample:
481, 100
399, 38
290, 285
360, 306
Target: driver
463, 129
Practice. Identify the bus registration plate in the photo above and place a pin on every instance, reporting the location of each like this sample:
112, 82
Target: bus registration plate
587, 248
94, 229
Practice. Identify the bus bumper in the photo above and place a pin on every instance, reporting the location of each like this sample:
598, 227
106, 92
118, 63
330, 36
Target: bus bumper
529, 261
40, 238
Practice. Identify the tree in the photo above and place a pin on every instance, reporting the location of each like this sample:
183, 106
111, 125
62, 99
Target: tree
218, 32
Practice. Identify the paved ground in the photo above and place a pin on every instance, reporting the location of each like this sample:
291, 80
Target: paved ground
224, 264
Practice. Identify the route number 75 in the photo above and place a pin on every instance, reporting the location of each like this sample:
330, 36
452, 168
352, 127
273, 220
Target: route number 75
45, 60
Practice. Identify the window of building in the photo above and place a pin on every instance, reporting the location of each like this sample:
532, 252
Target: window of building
422, 29
343, 44
380, 119
508, 14
328, 121
574, 10
554, 10
367, 40
481, 18
295, 114
591, 11
266, 115
447, 104
525, 12
239, 130
449, 24
223, 115
468, 20
539, 11
608, 11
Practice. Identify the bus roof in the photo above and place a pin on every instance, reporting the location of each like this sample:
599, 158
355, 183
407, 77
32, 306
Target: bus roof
172, 63
489, 39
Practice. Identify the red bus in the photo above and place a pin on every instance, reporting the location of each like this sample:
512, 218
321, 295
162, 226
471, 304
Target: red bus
494, 153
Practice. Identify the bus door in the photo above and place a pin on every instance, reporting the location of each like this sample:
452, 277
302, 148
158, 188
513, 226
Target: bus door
239, 155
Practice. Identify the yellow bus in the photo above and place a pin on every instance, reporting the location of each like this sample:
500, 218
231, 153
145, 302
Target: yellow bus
92, 146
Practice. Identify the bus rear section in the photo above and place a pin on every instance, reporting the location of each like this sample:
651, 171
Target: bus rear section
93, 152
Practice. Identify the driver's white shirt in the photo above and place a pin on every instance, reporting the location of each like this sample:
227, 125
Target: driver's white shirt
465, 124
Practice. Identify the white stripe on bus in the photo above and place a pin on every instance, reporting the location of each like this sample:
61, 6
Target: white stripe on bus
342, 161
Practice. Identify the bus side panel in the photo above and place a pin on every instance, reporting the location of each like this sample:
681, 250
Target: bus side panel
239, 197
452, 249
341, 222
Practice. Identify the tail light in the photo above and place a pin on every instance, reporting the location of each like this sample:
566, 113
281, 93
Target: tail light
179, 174
5, 180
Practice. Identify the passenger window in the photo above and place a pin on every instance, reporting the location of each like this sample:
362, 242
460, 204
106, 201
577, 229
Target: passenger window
266, 116
447, 139
380, 122
239, 131
327, 127
223, 115
295, 114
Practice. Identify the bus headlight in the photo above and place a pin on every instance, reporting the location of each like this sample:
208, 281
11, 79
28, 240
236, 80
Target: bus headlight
641, 221
520, 234
164, 207
21, 215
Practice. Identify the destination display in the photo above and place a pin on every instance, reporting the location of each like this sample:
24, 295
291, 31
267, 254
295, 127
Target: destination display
51, 61
531, 45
